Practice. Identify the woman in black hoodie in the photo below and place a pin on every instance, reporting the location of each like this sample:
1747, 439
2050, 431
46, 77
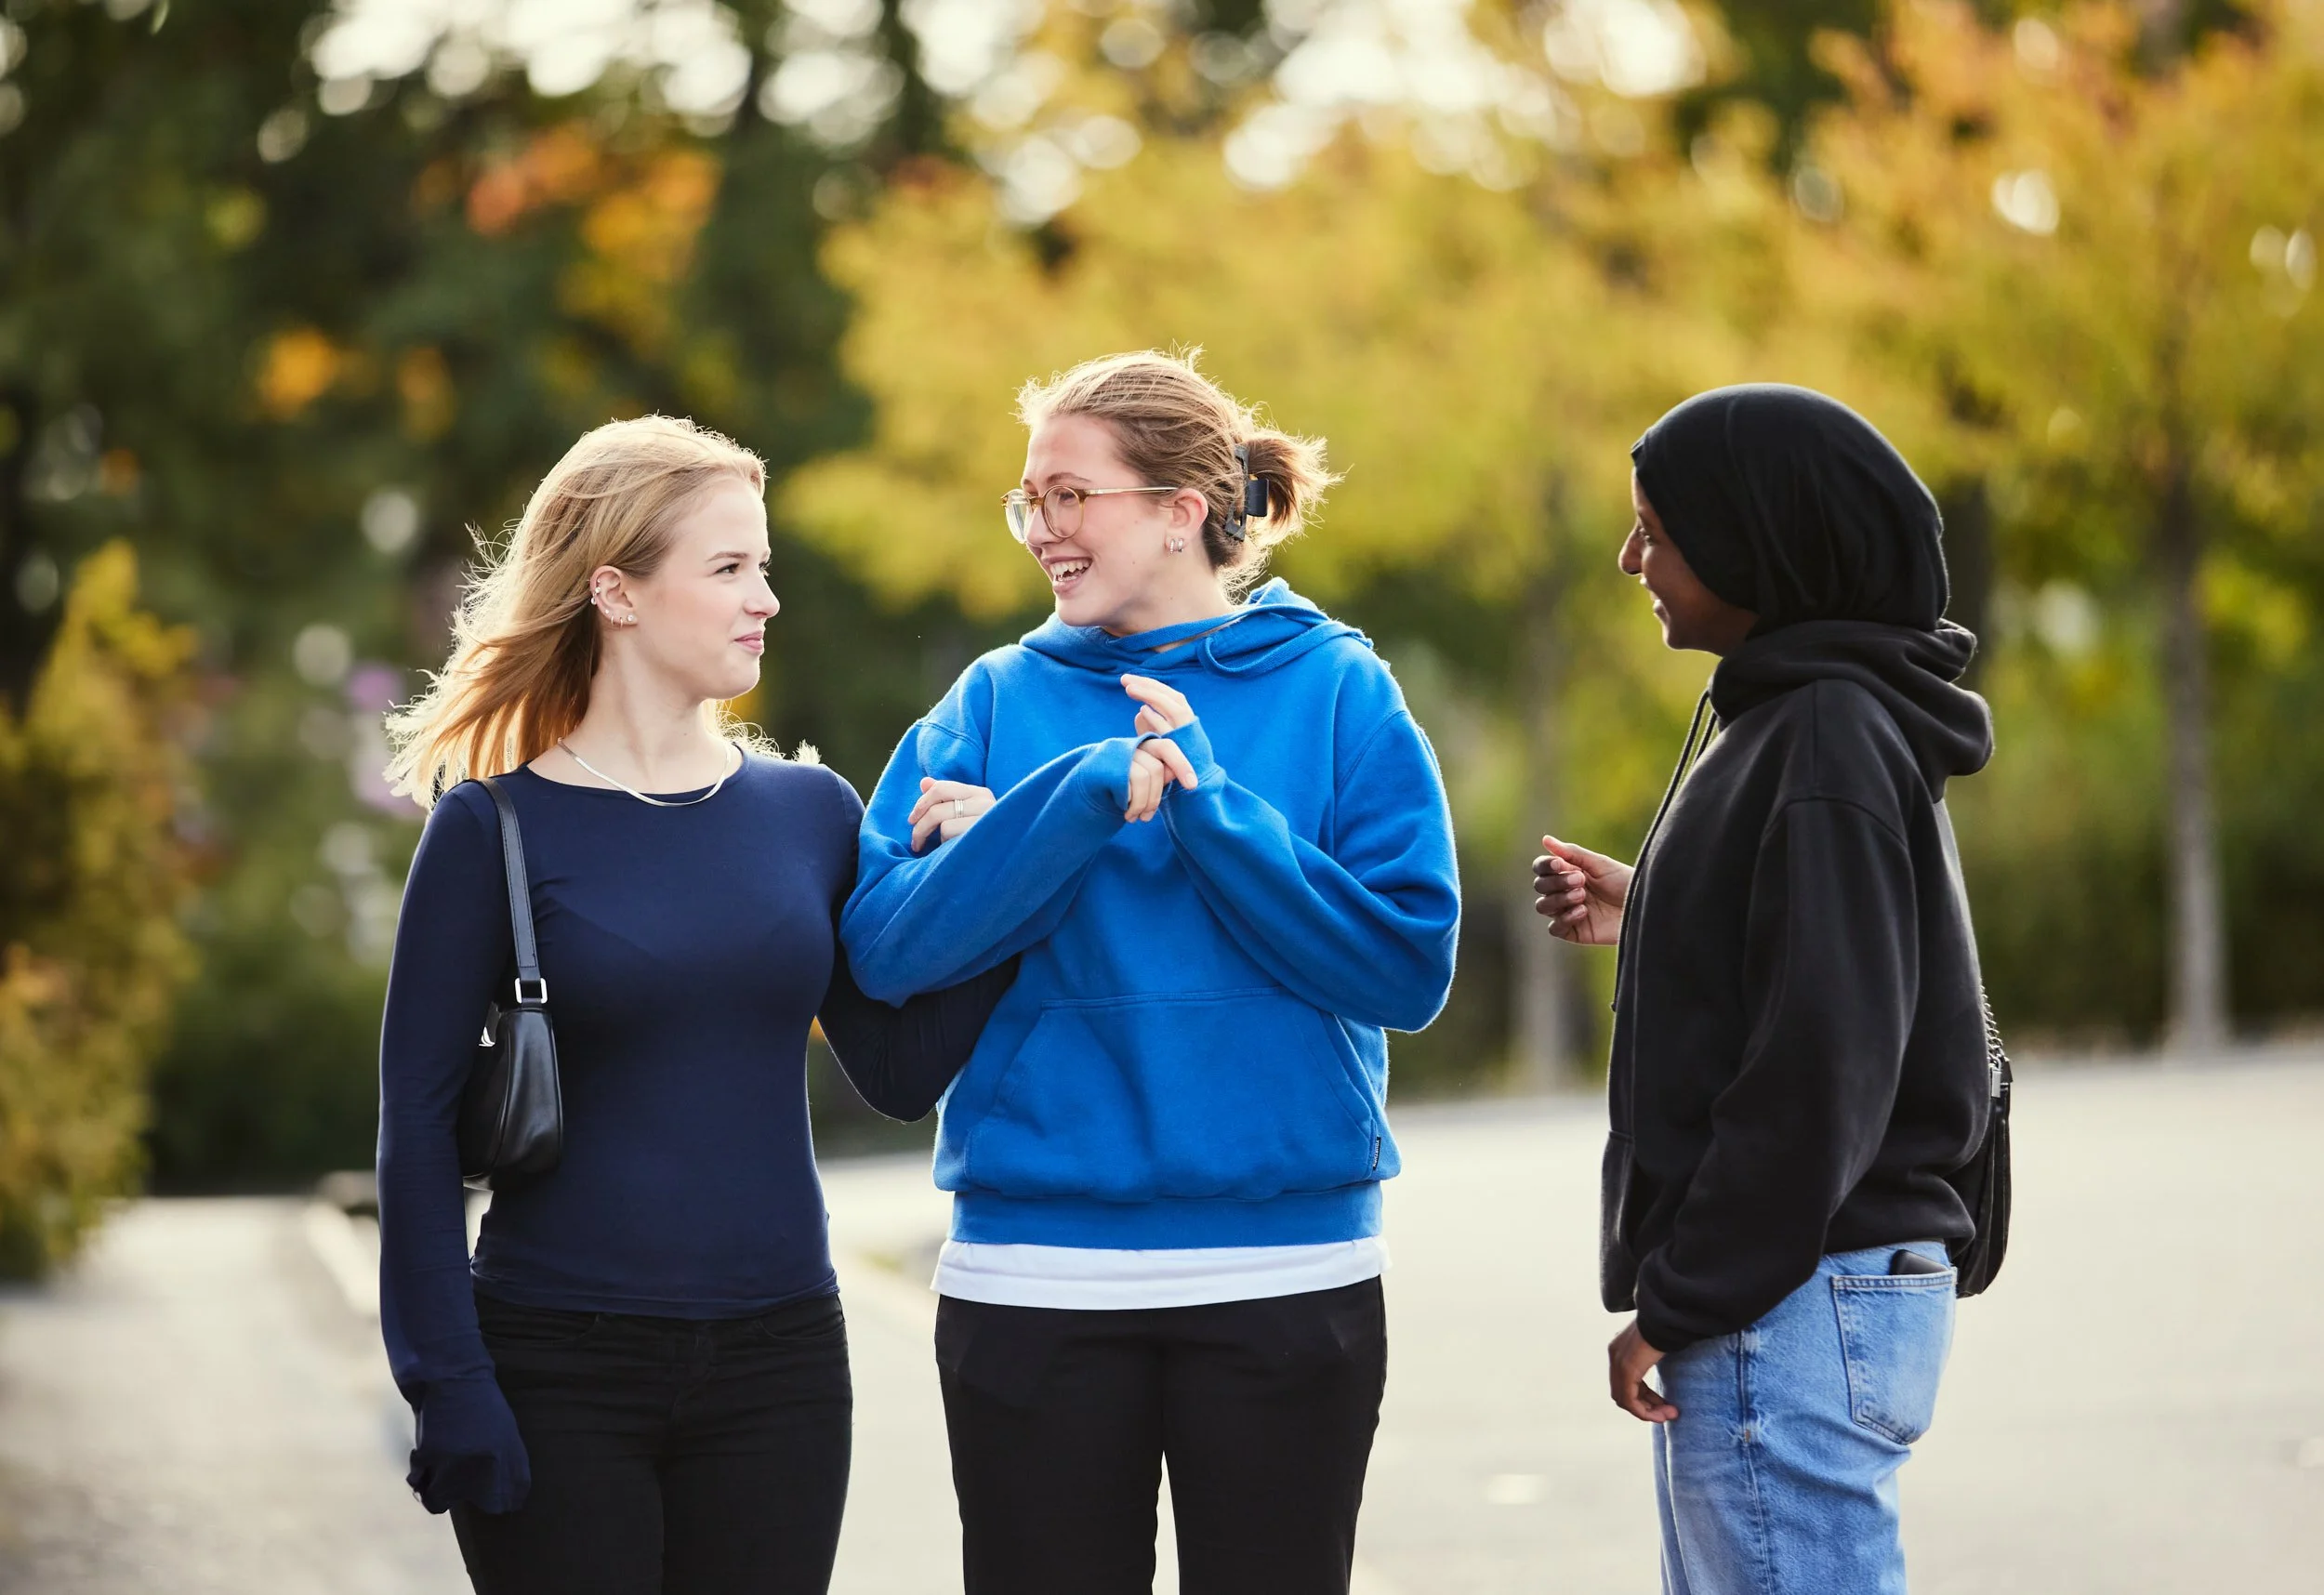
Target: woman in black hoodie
1799, 1065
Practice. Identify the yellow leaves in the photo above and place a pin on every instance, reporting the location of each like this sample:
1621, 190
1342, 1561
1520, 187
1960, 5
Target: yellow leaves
90, 952
2066, 239
1461, 349
562, 166
650, 226
234, 217
2274, 619
641, 239
300, 365
117, 473
296, 367
424, 383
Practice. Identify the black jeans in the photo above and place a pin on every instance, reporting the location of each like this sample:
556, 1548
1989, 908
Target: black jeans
1060, 1422
670, 1456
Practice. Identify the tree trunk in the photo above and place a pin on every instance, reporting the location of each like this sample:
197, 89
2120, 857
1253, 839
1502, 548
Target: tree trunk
1968, 509
2198, 931
1543, 984
24, 631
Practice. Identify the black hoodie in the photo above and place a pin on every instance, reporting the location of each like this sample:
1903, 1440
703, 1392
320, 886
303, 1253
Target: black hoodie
1799, 1046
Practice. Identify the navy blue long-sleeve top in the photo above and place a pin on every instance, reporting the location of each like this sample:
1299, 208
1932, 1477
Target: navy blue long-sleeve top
687, 951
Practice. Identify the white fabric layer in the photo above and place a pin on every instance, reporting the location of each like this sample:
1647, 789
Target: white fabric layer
1085, 1277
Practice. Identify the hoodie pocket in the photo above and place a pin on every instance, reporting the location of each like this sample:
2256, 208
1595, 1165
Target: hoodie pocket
1237, 1094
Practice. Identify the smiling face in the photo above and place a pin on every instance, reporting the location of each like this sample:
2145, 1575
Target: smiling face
1117, 570
1692, 615
702, 613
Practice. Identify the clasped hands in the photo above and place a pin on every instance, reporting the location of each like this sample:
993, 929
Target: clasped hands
947, 808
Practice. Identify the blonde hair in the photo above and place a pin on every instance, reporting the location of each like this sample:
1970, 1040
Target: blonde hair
525, 638
1176, 428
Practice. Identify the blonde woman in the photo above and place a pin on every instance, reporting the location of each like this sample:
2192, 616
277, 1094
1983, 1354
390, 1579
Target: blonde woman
1204, 818
640, 1384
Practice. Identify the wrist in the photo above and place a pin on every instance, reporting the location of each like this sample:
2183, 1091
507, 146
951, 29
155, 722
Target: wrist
1194, 743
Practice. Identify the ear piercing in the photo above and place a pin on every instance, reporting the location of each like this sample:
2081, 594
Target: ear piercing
1176, 545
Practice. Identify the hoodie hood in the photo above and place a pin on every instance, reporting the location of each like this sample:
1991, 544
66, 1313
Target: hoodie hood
1791, 504
1915, 674
1271, 629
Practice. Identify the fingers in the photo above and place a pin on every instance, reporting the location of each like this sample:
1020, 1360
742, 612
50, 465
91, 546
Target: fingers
945, 809
1561, 895
1150, 723
1645, 1403
939, 795
1146, 781
1167, 701
1627, 1360
1173, 759
1589, 863
1553, 877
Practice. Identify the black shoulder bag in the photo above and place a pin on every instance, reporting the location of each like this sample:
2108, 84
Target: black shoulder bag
1983, 1181
512, 1113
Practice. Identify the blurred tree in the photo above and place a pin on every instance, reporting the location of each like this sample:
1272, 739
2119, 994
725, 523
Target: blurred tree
2149, 226
1480, 358
294, 320
92, 781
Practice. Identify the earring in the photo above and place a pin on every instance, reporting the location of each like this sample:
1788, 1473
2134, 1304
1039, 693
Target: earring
1178, 544
628, 620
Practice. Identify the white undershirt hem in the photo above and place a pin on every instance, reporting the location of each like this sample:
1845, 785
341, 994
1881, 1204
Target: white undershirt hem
1095, 1278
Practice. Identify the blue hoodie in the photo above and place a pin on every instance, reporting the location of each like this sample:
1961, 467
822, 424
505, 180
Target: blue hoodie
1193, 1053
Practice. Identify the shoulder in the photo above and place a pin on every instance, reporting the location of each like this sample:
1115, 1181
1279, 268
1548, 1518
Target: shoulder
459, 847
806, 783
805, 804
1849, 723
463, 814
1366, 694
965, 709
1839, 742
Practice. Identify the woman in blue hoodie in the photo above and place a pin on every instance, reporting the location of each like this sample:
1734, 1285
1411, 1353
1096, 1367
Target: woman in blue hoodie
1166, 1152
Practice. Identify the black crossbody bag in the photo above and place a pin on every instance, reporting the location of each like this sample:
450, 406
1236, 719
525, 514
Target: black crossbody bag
512, 1112
1983, 1181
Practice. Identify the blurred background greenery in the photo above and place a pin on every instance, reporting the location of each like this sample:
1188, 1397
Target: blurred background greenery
299, 296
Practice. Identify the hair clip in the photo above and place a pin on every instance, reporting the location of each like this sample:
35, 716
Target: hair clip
1254, 502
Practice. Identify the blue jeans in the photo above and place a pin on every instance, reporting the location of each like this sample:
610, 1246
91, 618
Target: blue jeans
1779, 1476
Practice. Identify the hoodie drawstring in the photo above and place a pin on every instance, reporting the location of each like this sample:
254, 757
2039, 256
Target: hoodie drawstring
1700, 730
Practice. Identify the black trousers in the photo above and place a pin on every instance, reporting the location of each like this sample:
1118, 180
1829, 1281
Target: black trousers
1060, 1420
670, 1456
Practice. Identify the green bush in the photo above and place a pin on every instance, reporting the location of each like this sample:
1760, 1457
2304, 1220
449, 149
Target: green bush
93, 878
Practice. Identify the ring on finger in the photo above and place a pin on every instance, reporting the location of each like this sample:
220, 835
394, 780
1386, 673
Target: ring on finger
959, 807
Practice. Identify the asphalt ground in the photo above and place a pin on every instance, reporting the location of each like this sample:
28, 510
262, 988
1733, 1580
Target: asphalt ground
2138, 1405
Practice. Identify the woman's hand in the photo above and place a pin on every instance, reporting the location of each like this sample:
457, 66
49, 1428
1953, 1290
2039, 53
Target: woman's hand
469, 1451
946, 809
1580, 893
1152, 769
1163, 710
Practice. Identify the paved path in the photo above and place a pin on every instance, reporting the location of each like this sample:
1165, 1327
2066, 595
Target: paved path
2139, 1407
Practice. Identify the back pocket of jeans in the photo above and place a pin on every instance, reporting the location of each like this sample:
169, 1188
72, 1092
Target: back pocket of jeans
1894, 1333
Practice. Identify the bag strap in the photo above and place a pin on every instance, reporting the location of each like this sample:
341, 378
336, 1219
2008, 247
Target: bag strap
519, 900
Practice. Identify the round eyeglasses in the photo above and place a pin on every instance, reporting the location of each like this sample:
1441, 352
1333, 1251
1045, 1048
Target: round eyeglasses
1060, 508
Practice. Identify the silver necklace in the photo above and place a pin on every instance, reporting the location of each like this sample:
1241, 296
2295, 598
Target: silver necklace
657, 802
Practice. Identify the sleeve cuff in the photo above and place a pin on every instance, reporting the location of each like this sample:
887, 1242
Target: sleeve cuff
1662, 1334
1194, 743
